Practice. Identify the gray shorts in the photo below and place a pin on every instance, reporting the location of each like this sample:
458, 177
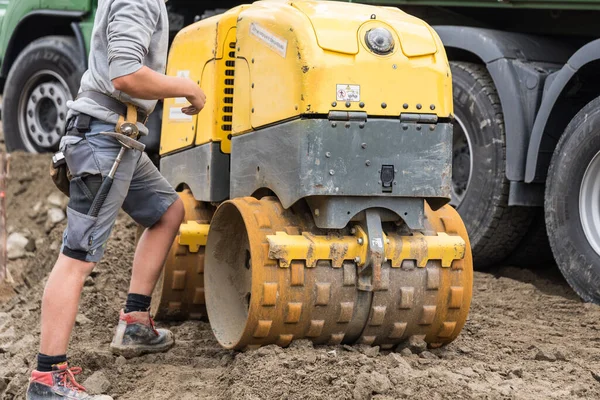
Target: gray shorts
138, 188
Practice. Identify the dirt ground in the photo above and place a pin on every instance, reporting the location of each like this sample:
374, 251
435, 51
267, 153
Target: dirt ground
528, 335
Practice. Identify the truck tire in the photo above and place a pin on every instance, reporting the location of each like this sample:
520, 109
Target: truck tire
572, 203
479, 185
42, 79
534, 251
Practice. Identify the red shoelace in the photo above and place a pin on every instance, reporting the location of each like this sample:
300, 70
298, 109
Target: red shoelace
67, 379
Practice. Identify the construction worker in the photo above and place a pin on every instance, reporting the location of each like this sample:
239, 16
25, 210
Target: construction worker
126, 67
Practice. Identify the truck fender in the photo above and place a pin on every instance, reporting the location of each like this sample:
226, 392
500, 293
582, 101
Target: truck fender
12, 47
539, 154
518, 64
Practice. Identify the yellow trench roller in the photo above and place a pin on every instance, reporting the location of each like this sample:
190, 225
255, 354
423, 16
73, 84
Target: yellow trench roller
326, 144
268, 280
179, 293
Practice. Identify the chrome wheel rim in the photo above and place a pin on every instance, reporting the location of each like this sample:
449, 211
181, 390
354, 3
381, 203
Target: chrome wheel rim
43, 111
589, 203
462, 163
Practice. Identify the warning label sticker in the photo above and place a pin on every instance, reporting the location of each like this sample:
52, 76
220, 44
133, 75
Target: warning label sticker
175, 114
277, 44
348, 92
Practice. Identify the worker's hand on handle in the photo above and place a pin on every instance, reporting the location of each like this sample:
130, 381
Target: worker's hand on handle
197, 101
151, 85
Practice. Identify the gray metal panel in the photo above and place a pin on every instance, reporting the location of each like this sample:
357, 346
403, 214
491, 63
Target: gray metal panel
526, 194
537, 163
518, 64
317, 157
334, 212
205, 169
490, 45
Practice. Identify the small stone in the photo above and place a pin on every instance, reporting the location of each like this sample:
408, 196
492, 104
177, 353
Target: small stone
399, 361
349, 348
332, 353
22, 345
55, 216
415, 343
120, 361
15, 245
81, 319
518, 372
464, 350
543, 355
38, 207
56, 200
39, 242
55, 246
406, 352
97, 383
468, 372
596, 375
89, 281
301, 373
369, 351
311, 358
30, 247
369, 383
269, 350
428, 355
16, 385
560, 355
301, 344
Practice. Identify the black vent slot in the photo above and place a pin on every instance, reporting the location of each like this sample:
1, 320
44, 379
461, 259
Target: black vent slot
228, 99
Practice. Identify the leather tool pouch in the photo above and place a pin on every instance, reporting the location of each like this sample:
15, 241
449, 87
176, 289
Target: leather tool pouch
59, 172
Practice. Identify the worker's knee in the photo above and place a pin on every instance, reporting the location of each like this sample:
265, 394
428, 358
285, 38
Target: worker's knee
74, 267
175, 214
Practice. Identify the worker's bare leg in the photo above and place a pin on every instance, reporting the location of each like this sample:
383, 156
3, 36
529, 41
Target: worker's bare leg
152, 250
60, 303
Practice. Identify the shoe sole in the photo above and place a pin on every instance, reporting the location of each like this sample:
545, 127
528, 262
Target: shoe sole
137, 350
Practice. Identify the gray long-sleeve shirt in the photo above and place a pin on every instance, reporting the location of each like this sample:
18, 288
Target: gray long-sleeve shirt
127, 35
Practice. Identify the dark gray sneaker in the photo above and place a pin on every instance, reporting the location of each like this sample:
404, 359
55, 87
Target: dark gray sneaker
137, 335
60, 384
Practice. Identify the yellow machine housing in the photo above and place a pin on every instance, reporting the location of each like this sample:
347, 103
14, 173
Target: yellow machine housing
284, 60
326, 144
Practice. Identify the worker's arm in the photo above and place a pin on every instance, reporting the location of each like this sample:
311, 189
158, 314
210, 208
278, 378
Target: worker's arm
130, 29
150, 85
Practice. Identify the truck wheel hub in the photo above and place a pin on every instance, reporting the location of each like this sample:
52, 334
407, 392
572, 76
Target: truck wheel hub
462, 163
43, 109
589, 203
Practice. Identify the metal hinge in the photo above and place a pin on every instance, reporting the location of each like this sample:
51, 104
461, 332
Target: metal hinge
358, 116
419, 118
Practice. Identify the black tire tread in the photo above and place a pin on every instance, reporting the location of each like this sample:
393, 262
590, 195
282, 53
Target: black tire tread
579, 270
510, 224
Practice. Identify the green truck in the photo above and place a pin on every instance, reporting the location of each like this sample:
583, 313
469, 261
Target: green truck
526, 170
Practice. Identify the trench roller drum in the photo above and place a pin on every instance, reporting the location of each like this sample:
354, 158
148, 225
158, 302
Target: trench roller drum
316, 180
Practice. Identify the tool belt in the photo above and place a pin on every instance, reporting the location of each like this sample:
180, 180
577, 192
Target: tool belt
79, 125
